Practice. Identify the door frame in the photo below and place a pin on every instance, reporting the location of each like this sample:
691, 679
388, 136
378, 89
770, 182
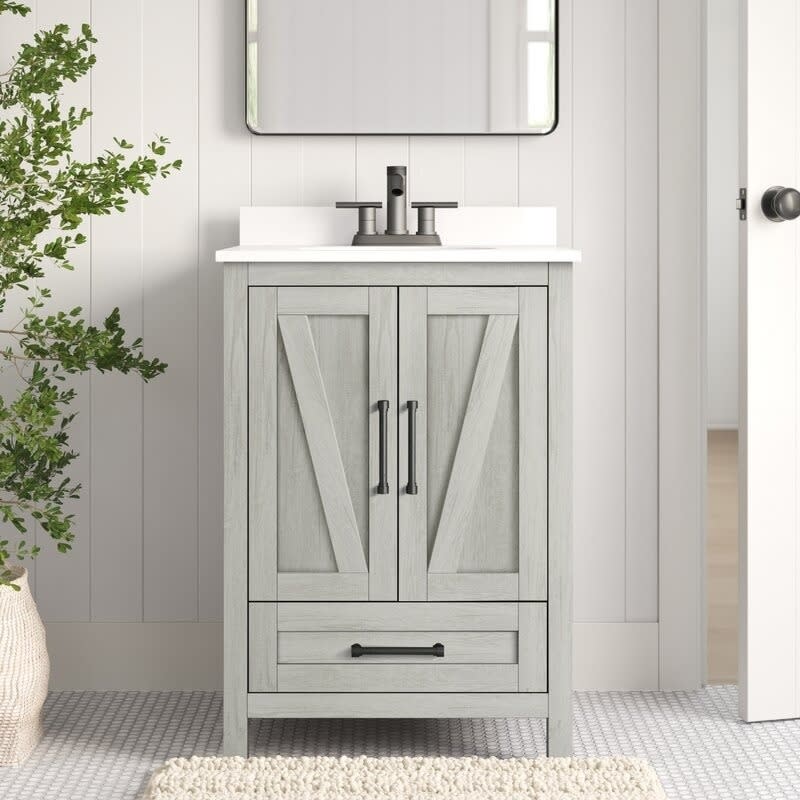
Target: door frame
682, 345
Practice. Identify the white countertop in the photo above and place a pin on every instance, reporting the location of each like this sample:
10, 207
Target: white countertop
406, 255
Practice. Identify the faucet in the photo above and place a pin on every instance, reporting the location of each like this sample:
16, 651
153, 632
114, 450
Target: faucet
396, 201
396, 221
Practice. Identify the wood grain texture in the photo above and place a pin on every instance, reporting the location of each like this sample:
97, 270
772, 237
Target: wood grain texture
473, 586
397, 616
389, 274
323, 586
262, 647
722, 557
473, 300
465, 647
532, 647
398, 705
262, 444
322, 444
533, 468
334, 300
560, 504
397, 678
342, 351
383, 386
234, 716
413, 508
470, 454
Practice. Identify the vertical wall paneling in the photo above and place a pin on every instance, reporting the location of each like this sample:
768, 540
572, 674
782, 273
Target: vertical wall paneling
276, 170
153, 453
170, 228
328, 171
491, 171
641, 311
116, 457
436, 168
224, 185
63, 591
599, 230
681, 374
722, 231
545, 162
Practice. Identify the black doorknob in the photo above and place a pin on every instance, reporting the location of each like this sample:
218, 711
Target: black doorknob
780, 203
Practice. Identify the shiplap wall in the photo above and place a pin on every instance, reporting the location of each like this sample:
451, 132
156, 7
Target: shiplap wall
150, 522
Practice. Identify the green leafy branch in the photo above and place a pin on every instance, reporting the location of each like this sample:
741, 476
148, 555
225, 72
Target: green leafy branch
46, 195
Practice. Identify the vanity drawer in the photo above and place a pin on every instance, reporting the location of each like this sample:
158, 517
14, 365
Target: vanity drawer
458, 647
482, 647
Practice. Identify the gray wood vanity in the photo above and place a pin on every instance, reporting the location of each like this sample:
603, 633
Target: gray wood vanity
398, 461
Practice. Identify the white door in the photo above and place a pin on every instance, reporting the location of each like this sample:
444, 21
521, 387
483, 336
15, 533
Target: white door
769, 457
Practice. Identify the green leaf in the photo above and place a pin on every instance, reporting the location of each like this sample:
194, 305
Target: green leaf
47, 196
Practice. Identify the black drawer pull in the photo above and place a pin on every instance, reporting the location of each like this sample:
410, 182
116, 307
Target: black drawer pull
357, 650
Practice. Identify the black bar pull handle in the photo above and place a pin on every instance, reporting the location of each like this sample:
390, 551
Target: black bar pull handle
411, 486
358, 650
383, 446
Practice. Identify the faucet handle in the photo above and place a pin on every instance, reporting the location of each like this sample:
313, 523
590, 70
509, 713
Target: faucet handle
426, 215
366, 214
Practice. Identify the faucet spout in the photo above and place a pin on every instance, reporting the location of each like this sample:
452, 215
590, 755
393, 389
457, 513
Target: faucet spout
396, 200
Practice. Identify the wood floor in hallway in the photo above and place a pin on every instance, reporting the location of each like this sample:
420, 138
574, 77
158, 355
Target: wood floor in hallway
722, 556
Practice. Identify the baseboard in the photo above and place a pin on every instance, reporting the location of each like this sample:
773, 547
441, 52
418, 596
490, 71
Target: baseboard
159, 656
151, 656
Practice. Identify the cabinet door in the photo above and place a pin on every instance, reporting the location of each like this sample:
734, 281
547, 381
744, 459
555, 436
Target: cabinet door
320, 360
475, 361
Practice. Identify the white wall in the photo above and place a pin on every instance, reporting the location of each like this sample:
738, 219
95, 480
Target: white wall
150, 523
722, 181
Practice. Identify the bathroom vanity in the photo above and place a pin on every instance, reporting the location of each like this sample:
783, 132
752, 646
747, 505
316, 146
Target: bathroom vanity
398, 461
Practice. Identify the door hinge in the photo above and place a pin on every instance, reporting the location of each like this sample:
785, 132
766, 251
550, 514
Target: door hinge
741, 203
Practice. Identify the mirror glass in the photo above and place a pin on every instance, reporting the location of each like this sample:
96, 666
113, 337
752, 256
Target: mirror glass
401, 66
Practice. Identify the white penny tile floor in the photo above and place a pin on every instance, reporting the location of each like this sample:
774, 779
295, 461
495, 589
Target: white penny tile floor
103, 745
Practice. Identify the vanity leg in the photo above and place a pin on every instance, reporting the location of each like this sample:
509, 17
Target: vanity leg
235, 630
559, 595
234, 733
559, 730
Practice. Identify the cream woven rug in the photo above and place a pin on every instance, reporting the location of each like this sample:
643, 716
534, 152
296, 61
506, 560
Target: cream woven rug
365, 778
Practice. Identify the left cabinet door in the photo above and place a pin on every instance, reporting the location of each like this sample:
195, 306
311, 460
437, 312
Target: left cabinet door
322, 445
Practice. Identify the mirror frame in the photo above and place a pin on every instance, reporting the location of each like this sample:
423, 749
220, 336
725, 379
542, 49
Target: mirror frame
556, 87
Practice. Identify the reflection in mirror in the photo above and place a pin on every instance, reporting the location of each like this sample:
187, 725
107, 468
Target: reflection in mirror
401, 66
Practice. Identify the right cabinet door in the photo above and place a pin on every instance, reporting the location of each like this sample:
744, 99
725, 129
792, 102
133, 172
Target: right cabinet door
472, 443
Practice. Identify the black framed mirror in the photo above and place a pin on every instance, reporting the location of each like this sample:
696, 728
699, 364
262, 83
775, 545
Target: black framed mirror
402, 67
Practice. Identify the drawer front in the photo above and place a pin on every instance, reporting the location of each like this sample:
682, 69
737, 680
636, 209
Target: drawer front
397, 678
483, 647
459, 647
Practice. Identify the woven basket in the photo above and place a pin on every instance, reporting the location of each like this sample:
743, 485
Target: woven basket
24, 671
